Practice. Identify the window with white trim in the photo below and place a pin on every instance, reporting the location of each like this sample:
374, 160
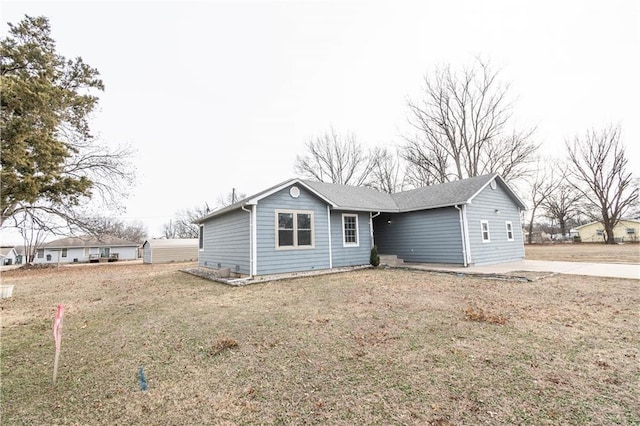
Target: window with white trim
350, 230
509, 227
484, 227
201, 237
294, 229
40, 253
64, 252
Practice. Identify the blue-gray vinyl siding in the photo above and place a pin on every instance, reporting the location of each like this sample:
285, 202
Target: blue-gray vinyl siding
498, 249
349, 255
273, 261
429, 236
226, 242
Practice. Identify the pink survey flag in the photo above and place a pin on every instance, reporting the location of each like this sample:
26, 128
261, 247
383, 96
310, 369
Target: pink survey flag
57, 337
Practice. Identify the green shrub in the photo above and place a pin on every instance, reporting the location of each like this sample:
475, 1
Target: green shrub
374, 259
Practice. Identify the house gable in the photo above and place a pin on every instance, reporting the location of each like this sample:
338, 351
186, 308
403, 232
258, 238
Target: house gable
273, 259
488, 216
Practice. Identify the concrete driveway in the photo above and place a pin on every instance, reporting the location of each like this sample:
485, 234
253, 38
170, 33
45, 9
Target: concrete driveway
615, 270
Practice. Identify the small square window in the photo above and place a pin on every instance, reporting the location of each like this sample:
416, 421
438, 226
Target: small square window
294, 229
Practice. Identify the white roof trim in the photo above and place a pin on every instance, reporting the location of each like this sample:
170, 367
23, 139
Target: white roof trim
254, 200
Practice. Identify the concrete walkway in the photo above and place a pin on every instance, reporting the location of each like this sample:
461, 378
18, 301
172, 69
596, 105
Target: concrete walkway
614, 270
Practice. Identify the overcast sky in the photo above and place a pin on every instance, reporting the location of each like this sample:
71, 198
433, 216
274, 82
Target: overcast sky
216, 95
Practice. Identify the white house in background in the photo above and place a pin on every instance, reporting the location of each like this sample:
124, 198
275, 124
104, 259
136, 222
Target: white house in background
86, 249
171, 250
8, 255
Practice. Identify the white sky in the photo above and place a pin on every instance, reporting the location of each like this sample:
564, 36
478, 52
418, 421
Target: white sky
216, 95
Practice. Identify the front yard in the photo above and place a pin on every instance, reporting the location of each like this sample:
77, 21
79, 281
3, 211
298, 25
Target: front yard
372, 346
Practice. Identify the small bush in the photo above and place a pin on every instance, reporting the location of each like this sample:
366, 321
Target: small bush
374, 259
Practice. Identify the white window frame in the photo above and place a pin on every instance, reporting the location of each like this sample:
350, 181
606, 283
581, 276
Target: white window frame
344, 233
509, 227
482, 231
295, 245
40, 253
86, 252
201, 237
64, 252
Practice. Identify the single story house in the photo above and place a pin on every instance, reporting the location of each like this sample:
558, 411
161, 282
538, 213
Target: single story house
8, 255
170, 250
86, 249
626, 230
302, 225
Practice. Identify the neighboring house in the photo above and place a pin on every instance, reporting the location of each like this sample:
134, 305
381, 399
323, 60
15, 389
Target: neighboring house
627, 230
171, 250
301, 225
86, 249
8, 256
20, 257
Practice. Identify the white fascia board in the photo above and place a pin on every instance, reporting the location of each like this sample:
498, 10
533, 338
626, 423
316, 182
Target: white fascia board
286, 185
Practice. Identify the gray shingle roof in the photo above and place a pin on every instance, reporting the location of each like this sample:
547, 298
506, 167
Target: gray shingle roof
88, 241
442, 195
354, 197
345, 197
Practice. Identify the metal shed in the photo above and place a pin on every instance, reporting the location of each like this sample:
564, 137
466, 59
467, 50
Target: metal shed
174, 250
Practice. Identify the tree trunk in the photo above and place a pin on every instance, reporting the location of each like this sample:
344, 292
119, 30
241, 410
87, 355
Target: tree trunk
563, 228
608, 230
530, 237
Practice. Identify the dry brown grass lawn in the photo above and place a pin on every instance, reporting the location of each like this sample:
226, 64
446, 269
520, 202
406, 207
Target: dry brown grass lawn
585, 252
367, 347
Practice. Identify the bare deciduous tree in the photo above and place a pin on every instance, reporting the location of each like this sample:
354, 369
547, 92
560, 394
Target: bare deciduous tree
599, 172
544, 183
461, 127
386, 171
182, 226
334, 158
104, 226
230, 198
563, 206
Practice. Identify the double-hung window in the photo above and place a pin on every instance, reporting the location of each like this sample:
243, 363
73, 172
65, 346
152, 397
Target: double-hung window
294, 229
64, 252
201, 237
509, 227
484, 227
350, 230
